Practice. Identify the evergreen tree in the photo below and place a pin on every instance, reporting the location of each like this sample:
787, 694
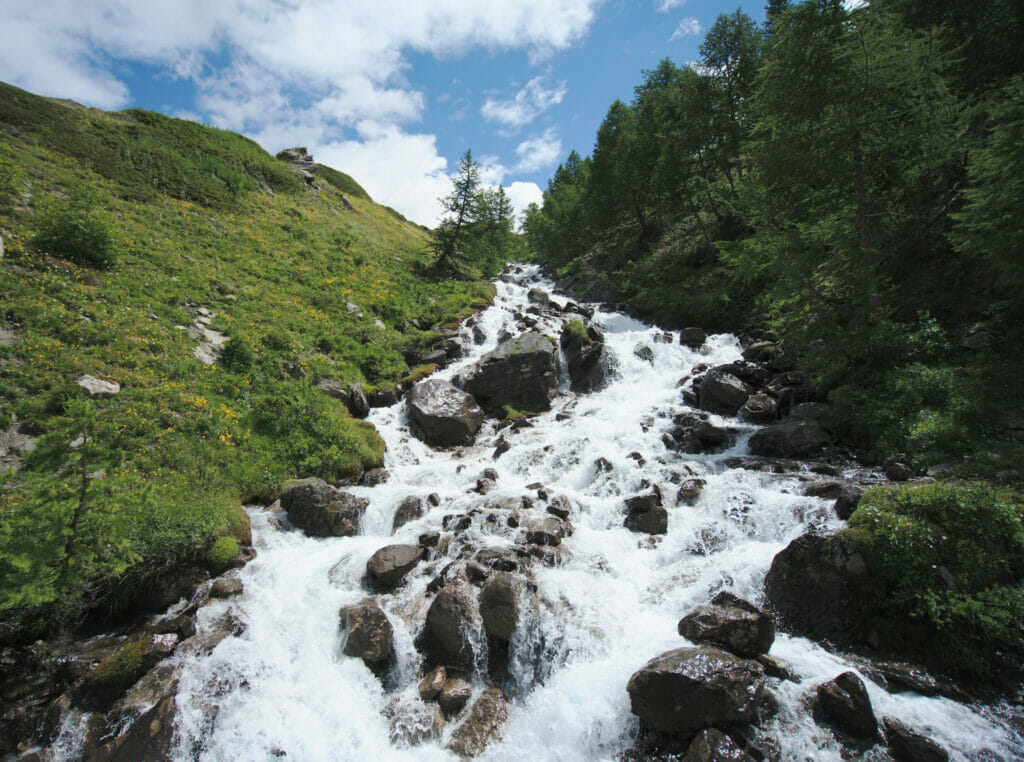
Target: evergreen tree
450, 239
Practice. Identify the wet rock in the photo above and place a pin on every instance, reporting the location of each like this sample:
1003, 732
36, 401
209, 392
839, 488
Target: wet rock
847, 501
211, 636
431, 685
830, 490
520, 372
321, 511
689, 689
693, 337
434, 499
560, 507
712, 745
811, 586
689, 491
97, 388
489, 473
410, 509
897, 471
645, 513
445, 415
225, 587
149, 737
411, 722
385, 397
897, 677
453, 625
335, 389
368, 634
391, 563
731, 623
775, 667
429, 539
722, 392
501, 448
790, 439
482, 725
760, 351
644, 352
550, 555
759, 408
845, 703
539, 297
358, 404
375, 477
588, 363
499, 605
547, 531
454, 694
484, 485
908, 746
499, 559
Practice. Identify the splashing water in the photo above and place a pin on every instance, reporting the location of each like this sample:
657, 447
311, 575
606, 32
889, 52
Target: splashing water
282, 688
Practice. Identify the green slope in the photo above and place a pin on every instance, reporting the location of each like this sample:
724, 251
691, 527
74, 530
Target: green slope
200, 219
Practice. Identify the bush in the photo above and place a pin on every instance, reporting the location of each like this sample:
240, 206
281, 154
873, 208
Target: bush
221, 554
948, 559
118, 671
74, 232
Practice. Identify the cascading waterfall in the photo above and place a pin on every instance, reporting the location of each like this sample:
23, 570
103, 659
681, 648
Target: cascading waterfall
282, 688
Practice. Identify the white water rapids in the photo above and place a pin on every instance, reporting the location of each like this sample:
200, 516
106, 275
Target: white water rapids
282, 688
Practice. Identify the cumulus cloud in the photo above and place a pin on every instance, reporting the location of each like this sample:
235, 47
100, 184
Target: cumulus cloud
667, 5
539, 152
319, 72
526, 105
688, 27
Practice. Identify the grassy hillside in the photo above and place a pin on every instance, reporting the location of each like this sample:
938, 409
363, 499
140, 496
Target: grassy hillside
200, 222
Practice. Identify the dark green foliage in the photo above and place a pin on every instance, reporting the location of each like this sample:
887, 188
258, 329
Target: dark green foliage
117, 672
223, 552
949, 559
11, 180
343, 182
75, 230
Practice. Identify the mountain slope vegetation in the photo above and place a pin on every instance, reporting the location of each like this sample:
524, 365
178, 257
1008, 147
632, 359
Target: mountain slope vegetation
203, 236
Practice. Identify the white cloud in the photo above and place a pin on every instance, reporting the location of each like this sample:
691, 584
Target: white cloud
539, 152
297, 71
687, 27
667, 5
526, 105
523, 194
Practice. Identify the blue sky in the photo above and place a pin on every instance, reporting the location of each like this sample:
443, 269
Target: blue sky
390, 91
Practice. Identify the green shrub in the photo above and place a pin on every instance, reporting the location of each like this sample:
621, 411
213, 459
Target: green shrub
221, 554
949, 562
73, 231
574, 334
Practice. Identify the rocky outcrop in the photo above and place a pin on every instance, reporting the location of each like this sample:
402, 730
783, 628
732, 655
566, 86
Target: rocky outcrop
789, 439
97, 388
319, 510
445, 415
390, 564
521, 372
453, 626
845, 703
301, 161
368, 634
689, 689
499, 605
731, 623
482, 725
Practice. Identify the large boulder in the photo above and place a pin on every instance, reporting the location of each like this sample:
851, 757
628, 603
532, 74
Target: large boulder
908, 746
410, 509
482, 725
845, 703
446, 415
390, 564
688, 689
790, 439
368, 634
814, 587
759, 408
319, 510
585, 356
732, 623
452, 631
520, 372
97, 388
723, 393
499, 605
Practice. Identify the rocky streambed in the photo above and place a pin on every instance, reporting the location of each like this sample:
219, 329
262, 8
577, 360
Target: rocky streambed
581, 579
